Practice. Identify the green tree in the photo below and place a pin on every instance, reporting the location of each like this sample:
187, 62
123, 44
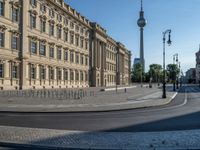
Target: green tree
155, 72
136, 72
172, 72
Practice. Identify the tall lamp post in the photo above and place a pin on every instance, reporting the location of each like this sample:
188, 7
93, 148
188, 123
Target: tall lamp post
169, 43
175, 62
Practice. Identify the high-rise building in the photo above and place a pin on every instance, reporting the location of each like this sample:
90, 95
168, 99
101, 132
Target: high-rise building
142, 23
48, 44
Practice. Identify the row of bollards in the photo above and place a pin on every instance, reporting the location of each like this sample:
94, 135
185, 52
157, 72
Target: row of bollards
61, 94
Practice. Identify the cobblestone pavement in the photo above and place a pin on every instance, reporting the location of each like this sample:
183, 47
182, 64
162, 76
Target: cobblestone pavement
99, 140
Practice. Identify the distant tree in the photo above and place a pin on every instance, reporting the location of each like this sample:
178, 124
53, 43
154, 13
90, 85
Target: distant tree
172, 72
155, 72
136, 72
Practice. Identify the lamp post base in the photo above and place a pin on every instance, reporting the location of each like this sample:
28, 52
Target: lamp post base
164, 91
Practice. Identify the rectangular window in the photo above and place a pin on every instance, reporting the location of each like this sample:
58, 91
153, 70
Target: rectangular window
66, 36
77, 76
77, 58
86, 45
51, 29
71, 75
59, 32
33, 72
86, 77
66, 55
14, 72
72, 39
59, 17
51, 13
42, 8
33, 2
2, 39
81, 43
77, 41
86, 61
42, 72
42, 26
51, 52
81, 76
42, 49
1, 70
52, 74
59, 54
33, 47
59, 74
66, 75
81, 59
14, 42
1, 8
33, 21
71, 56
15, 15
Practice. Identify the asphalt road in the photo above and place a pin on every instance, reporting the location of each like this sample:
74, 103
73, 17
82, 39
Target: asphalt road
181, 114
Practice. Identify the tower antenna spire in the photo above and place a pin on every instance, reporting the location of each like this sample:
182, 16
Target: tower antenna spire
141, 5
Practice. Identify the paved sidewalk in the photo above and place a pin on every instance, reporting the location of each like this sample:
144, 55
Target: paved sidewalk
105, 102
62, 139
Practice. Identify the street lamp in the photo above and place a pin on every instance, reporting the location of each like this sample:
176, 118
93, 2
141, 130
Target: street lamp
175, 61
169, 43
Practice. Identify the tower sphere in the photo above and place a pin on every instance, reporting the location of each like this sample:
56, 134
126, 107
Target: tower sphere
141, 22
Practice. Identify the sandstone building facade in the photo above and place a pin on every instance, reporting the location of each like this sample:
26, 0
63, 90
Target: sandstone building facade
48, 44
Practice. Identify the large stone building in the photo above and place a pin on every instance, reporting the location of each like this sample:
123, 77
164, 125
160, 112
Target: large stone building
198, 66
190, 76
48, 44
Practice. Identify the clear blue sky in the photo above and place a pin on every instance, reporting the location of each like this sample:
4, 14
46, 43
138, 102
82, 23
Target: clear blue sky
119, 18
